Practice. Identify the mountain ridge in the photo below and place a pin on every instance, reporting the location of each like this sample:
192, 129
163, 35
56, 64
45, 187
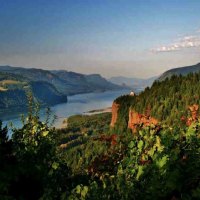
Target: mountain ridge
49, 87
66, 82
180, 71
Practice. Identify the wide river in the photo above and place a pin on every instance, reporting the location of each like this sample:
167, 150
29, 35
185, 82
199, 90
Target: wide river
77, 104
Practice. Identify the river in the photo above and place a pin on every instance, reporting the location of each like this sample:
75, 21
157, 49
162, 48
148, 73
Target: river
77, 104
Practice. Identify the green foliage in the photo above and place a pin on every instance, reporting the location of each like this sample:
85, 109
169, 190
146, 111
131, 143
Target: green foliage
92, 124
87, 161
7, 161
157, 164
79, 193
37, 169
167, 101
80, 146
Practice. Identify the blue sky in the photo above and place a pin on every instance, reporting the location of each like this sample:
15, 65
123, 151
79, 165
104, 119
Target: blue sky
134, 38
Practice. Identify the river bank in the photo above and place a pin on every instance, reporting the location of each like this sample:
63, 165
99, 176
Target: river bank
89, 103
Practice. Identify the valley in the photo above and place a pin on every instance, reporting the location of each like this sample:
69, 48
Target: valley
47, 87
76, 104
137, 147
99, 100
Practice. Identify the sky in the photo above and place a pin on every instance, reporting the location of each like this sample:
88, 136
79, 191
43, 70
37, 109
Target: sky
133, 38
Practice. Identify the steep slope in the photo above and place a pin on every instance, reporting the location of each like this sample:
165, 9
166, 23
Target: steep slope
165, 101
14, 97
13, 88
75, 82
81, 83
97, 81
181, 70
47, 94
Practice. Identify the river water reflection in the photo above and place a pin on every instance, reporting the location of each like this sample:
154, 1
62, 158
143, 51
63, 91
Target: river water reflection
77, 104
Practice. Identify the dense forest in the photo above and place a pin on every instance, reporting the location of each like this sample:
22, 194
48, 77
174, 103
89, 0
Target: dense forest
90, 160
166, 100
13, 91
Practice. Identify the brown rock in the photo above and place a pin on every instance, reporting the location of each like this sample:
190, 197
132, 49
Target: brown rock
136, 119
115, 108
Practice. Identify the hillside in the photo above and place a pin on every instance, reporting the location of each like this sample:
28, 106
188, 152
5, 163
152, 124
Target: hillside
165, 101
80, 83
68, 83
13, 95
181, 70
48, 87
46, 93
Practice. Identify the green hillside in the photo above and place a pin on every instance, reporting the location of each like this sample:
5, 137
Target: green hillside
68, 83
166, 101
180, 71
89, 160
48, 87
46, 93
14, 88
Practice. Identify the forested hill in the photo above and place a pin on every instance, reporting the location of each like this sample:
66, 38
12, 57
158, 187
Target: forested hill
13, 94
68, 83
181, 70
48, 87
167, 101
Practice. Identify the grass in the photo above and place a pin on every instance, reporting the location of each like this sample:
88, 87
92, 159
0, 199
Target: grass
9, 82
3, 89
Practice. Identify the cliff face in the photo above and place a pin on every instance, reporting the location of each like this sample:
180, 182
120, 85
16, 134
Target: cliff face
115, 108
136, 119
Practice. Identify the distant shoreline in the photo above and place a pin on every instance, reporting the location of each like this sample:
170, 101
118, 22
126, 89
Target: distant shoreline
64, 122
98, 111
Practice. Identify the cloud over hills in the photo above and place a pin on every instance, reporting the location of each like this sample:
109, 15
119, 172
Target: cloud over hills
188, 41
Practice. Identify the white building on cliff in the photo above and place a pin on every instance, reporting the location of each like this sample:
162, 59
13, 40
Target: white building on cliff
132, 93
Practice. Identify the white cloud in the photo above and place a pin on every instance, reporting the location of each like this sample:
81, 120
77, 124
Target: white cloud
189, 41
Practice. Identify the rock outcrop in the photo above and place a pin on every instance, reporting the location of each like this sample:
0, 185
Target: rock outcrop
136, 119
115, 108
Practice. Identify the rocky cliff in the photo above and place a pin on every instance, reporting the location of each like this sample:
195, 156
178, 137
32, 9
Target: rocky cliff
136, 119
115, 108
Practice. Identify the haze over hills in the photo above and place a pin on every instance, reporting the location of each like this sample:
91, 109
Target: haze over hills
134, 83
65, 82
180, 71
81, 83
139, 83
48, 87
51, 87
